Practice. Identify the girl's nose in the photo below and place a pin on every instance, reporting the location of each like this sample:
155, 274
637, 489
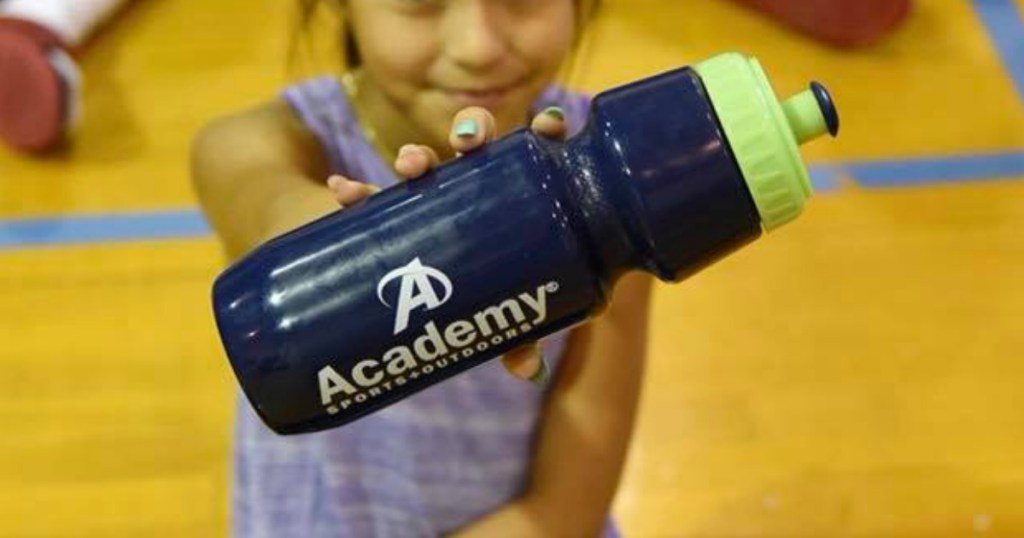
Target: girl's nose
473, 35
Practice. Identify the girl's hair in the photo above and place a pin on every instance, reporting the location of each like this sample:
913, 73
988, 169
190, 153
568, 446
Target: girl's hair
308, 9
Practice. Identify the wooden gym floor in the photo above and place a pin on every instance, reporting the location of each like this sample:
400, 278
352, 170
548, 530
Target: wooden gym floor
858, 373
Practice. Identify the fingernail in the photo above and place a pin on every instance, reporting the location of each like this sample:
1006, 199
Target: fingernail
543, 375
555, 112
333, 181
404, 152
466, 128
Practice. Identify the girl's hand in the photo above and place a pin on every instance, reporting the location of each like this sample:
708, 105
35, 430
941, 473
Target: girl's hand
472, 128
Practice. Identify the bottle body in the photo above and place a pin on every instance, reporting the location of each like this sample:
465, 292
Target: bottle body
424, 280
511, 243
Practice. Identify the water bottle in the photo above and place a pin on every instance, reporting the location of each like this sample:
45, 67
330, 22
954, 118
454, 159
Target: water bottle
518, 240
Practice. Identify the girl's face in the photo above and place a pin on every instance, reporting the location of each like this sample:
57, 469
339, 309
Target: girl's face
431, 58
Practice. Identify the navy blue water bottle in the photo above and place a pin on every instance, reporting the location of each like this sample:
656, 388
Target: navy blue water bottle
516, 241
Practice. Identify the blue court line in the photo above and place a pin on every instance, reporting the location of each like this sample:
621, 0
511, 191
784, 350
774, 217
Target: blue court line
189, 222
1005, 26
76, 229
921, 171
824, 177
937, 170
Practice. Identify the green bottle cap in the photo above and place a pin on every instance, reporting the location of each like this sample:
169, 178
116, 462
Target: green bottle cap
765, 134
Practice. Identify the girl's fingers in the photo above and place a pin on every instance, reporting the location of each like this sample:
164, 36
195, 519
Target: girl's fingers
550, 123
472, 127
527, 363
347, 192
415, 160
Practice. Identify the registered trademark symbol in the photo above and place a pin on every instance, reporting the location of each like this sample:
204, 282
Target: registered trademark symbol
332, 410
552, 287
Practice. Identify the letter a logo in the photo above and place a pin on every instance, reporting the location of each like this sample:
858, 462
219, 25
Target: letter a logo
416, 290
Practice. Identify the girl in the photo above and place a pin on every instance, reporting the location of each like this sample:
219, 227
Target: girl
480, 454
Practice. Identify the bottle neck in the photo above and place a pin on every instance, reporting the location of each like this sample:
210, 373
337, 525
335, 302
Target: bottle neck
595, 195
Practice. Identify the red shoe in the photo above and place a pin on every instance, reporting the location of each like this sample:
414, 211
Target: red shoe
843, 23
35, 97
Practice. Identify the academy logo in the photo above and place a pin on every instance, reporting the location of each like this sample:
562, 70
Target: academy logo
435, 346
416, 289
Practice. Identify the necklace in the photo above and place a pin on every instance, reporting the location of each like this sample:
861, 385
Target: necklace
348, 81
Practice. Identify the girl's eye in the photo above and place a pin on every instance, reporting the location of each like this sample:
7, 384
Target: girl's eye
418, 5
528, 6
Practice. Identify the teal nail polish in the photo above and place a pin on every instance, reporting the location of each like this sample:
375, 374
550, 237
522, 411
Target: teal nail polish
466, 129
555, 112
543, 375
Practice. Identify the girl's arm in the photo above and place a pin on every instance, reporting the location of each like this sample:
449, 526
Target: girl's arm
254, 175
586, 428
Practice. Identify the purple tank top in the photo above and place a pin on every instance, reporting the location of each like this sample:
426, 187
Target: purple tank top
423, 467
